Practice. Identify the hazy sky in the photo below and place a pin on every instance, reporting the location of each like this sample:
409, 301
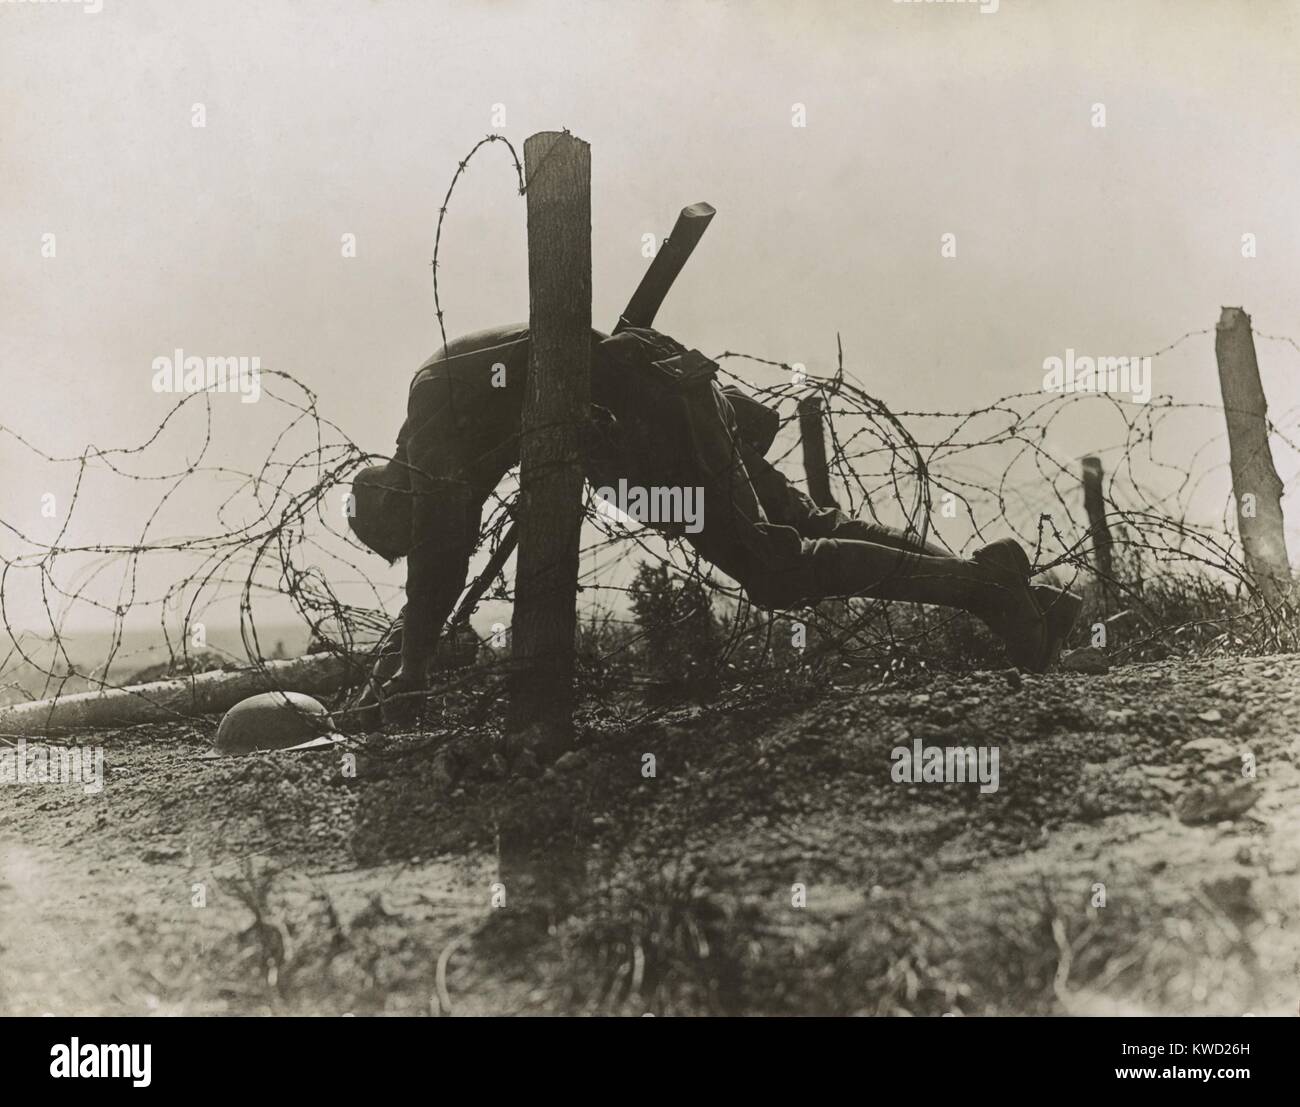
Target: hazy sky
325, 119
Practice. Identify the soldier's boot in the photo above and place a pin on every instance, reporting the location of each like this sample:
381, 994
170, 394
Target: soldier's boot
1008, 608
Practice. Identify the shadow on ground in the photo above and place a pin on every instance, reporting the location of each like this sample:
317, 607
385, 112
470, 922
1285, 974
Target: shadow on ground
769, 865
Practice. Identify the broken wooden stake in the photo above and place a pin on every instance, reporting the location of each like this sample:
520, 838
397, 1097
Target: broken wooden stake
1094, 503
1255, 483
556, 404
812, 436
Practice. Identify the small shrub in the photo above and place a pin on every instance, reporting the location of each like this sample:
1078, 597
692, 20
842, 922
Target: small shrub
681, 638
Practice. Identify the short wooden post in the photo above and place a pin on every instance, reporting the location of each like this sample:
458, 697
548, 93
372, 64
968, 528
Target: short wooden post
812, 436
1094, 503
557, 168
1255, 483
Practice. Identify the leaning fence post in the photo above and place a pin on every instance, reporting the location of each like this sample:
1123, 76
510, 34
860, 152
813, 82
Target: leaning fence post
1094, 503
1255, 483
812, 436
556, 402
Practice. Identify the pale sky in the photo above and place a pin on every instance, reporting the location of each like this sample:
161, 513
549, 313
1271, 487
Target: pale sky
333, 118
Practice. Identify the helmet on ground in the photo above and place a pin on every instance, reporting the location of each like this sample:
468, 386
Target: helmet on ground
275, 721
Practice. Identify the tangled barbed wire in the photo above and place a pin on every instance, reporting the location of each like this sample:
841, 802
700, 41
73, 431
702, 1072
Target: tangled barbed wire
954, 477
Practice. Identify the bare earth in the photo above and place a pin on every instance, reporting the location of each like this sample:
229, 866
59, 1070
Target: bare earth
430, 882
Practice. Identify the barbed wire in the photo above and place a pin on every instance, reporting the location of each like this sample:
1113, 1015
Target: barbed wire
275, 536
953, 477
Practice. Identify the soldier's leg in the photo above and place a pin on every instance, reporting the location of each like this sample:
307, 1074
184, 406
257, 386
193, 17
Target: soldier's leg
783, 503
780, 567
992, 585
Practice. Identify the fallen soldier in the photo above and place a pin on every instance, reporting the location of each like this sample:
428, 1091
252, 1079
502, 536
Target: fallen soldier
659, 420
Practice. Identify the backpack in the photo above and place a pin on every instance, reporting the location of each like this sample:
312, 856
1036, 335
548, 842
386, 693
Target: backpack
659, 364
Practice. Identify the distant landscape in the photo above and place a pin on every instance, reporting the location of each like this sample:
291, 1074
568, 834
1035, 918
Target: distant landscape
137, 651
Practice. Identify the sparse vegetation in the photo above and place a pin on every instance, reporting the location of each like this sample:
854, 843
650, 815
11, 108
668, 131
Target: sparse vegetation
680, 635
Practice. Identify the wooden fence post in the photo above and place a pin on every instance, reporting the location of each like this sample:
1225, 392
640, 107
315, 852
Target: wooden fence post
557, 169
812, 436
1094, 503
1255, 483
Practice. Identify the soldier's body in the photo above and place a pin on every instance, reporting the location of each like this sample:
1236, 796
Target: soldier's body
665, 425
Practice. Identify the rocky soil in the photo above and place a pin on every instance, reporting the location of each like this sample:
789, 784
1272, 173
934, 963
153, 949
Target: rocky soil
1141, 854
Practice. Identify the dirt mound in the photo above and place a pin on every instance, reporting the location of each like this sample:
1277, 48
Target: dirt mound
1133, 847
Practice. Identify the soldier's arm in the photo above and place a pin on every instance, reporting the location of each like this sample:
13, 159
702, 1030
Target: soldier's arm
463, 439
445, 515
